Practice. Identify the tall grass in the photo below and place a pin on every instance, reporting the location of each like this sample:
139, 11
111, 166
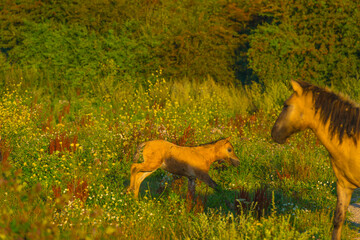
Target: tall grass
66, 160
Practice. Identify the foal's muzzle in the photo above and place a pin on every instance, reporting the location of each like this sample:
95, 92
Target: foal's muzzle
235, 162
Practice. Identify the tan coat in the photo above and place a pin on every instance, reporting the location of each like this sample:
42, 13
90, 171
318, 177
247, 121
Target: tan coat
336, 122
191, 162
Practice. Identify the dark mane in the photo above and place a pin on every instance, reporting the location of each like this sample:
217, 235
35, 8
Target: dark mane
210, 143
344, 115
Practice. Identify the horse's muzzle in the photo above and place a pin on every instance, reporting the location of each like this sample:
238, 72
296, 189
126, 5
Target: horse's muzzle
277, 136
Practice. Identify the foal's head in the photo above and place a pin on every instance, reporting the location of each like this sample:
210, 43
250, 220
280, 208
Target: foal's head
295, 115
225, 151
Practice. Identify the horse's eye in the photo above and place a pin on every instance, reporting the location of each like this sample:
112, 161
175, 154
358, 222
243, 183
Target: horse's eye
229, 149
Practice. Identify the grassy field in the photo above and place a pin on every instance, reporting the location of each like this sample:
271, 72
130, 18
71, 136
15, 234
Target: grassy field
66, 166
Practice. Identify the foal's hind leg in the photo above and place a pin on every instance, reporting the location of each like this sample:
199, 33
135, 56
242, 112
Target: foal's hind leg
343, 201
140, 172
138, 180
133, 172
191, 187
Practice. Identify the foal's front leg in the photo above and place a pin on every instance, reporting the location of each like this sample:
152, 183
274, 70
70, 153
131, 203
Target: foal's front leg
204, 176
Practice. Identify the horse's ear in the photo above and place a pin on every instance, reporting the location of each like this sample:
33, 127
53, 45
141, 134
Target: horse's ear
297, 87
228, 139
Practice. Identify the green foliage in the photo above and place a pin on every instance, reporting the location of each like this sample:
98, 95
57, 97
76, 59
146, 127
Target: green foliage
265, 41
309, 40
192, 39
99, 16
268, 98
198, 40
99, 77
84, 57
68, 174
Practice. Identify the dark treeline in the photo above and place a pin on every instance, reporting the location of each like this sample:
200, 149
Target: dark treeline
76, 43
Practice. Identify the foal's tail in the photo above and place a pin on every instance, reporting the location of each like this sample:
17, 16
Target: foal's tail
138, 152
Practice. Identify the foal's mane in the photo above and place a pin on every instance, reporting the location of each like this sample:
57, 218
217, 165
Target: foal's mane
210, 143
343, 114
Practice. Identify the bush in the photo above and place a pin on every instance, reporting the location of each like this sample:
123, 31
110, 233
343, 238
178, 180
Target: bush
311, 41
192, 39
84, 57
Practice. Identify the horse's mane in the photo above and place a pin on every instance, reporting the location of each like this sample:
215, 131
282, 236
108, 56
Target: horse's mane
343, 114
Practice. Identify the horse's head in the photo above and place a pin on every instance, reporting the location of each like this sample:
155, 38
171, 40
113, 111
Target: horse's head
294, 115
225, 151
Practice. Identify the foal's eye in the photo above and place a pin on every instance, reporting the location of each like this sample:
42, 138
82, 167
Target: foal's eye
229, 149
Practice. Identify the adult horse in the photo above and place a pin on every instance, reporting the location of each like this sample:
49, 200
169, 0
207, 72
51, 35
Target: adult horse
336, 122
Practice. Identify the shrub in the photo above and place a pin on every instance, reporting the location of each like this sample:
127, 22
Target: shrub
84, 56
311, 41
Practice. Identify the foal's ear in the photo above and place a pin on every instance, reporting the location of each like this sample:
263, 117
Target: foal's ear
228, 139
296, 87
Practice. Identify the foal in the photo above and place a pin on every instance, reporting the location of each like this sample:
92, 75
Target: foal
191, 162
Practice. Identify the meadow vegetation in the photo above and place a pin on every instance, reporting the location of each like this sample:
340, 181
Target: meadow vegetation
84, 82
66, 166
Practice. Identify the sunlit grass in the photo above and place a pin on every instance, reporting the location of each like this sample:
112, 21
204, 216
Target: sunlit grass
68, 168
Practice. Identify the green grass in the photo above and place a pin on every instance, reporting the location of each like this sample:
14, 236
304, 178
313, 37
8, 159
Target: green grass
69, 166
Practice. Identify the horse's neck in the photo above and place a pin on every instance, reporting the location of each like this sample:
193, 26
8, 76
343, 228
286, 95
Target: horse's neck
322, 132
